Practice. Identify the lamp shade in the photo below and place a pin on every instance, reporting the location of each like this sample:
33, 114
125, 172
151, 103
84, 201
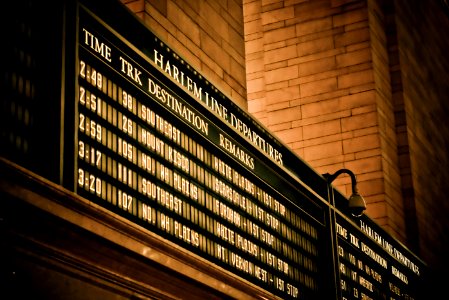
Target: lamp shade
356, 204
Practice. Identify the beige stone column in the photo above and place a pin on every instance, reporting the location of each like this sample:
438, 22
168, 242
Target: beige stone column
318, 77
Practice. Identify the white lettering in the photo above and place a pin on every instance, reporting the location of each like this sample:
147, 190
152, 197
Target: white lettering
99, 47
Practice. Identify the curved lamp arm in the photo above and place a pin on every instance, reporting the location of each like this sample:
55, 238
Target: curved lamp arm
356, 203
332, 177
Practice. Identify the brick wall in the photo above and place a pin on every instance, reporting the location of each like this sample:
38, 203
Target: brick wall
318, 76
206, 34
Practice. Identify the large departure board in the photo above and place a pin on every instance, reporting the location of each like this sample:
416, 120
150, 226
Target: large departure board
156, 145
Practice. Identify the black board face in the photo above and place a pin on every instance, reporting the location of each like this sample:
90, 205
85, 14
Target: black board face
371, 265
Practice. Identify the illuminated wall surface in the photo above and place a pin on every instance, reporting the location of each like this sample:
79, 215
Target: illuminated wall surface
95, 102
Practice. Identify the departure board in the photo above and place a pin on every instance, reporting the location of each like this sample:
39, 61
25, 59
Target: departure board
155, 147
372, 265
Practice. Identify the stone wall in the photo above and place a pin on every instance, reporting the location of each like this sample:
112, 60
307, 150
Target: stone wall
206, 34
318, 76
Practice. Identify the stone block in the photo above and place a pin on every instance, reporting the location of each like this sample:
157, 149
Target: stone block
285, 94
361, 143
281, 74
255, 85
318, 87
280, 34
313, 26
322, 151
280, 54
350, 17
290, 135
356, 78
284, 115
277, 15
329, 127
354, 58
359, 121
315, 46
317, 66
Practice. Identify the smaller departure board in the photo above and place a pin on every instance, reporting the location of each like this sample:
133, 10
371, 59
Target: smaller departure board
371, 265
147, 149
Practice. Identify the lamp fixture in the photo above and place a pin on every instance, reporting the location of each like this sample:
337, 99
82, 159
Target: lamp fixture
356, 203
